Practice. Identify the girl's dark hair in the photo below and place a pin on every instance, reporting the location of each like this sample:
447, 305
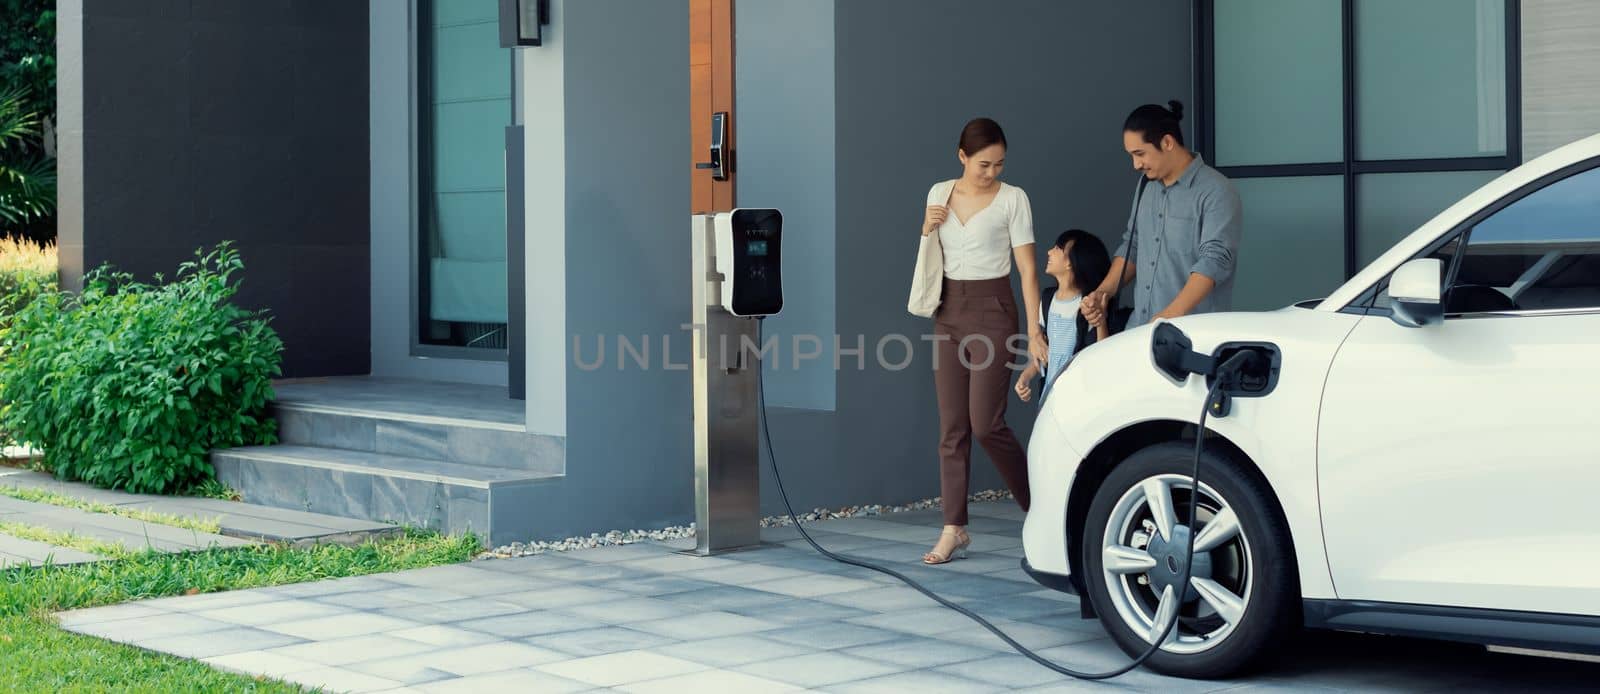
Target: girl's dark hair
1088, 257
1153, 122
980, 133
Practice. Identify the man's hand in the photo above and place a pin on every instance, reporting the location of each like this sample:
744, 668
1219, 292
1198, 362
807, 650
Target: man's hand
1093, 306
1098, 321
1168, 314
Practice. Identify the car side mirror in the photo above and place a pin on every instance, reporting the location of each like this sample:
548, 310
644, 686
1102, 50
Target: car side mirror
1414, 293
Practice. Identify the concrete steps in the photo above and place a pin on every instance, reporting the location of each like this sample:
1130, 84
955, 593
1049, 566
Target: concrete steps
444, 456
449, 497
453, 440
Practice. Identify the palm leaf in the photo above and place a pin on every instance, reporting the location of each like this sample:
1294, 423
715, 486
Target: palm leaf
16, 125
27, 189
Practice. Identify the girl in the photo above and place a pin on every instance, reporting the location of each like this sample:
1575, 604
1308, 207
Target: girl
1078, 260
983, 226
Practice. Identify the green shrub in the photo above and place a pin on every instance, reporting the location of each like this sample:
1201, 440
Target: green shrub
130, 385
26, 269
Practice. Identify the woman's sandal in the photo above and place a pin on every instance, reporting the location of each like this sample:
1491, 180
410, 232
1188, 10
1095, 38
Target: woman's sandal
958, 552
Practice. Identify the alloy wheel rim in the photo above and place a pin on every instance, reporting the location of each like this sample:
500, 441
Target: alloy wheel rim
1141, 560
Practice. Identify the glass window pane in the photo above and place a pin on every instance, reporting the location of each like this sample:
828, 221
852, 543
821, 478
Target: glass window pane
465, 78
1293, 244
1279, 95
1430, 79
1542, 252
1391, 206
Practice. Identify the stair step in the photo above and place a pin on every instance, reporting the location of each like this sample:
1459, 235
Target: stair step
450, 439
449, 497
235, 518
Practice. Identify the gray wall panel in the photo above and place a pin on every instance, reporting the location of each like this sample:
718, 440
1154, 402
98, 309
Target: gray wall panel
786, 157
627, 208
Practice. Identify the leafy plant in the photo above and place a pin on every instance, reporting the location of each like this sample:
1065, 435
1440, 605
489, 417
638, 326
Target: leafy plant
27, 173
26, 268
131, 385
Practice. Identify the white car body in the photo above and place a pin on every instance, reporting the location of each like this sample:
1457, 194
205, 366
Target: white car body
1442, 466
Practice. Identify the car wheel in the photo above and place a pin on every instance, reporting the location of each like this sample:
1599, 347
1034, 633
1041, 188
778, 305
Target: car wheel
1243, 594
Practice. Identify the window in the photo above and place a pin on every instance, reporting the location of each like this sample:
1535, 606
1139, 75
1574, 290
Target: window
464, 105
1540, 253
1345, 124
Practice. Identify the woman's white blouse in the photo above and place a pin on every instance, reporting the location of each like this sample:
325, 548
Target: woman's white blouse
980, 248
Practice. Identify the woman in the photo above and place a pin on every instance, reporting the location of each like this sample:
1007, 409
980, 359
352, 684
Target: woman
983, 225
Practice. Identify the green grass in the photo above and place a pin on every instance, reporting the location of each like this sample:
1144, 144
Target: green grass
212, 489
54, 499
148, 574
35, 655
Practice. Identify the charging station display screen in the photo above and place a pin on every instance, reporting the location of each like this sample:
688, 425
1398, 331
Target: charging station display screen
755, 252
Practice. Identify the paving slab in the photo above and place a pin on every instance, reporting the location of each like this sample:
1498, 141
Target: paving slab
129, 532
235, 518
15, 551
646, 620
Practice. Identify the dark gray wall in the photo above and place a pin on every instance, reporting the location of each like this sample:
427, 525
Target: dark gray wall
243, 120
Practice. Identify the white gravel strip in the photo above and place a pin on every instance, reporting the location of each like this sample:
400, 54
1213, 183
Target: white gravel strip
677, 532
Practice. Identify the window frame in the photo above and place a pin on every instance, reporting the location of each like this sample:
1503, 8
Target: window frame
1351, 167
422, 52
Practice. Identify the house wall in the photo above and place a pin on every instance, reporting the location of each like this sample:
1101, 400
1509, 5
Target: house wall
173, 138
1560, 73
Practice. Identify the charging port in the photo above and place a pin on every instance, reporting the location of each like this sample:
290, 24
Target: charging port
1257, 378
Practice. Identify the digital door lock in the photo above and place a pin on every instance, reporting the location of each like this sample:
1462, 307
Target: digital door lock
721, 163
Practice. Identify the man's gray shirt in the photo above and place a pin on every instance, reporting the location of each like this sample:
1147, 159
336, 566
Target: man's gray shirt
1191, 226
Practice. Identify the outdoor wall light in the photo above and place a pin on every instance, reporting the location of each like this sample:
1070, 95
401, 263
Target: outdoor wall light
522, 22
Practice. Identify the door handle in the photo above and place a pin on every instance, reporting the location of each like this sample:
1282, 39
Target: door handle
721, 164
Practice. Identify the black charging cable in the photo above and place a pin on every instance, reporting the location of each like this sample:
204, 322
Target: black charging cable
1224, 374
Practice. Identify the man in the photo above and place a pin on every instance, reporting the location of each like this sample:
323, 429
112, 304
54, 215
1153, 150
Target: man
1184, 229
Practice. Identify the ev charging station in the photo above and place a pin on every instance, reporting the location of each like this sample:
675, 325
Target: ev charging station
736, 278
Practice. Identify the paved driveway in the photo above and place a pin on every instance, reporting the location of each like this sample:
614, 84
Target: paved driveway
642, 618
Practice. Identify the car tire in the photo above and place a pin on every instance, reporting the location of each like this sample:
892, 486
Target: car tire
1219, 633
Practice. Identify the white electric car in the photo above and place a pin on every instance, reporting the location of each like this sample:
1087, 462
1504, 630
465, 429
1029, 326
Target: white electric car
1416, 462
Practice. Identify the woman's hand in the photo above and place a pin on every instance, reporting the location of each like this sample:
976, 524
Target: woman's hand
934, 217
1023, 391
1039, 349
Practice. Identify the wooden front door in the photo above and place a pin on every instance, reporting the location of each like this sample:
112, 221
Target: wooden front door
710, 91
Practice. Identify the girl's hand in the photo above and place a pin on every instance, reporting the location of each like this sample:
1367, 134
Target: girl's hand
934, 217
1023, 391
